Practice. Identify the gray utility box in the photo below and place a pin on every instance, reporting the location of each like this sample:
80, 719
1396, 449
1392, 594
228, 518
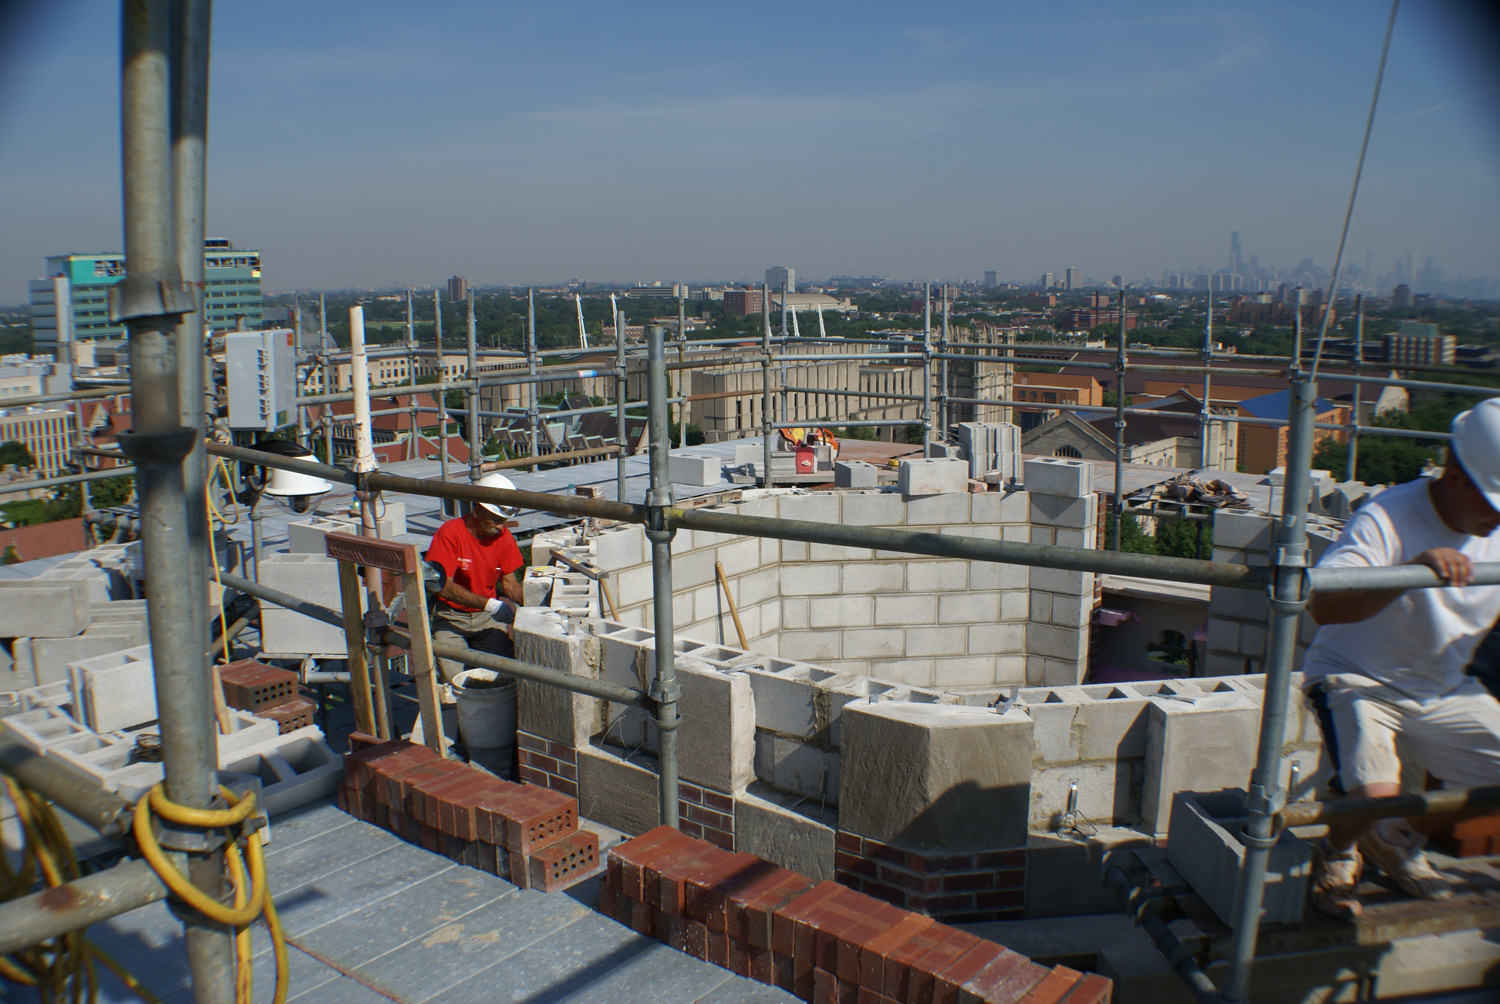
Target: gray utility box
1203, 845
260, 369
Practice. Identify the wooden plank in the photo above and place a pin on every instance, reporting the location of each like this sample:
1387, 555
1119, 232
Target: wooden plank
423, 669
354, 639
739, 628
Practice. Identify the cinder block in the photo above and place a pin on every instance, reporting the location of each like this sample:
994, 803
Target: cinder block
1243, 530
50, 657
796, 767
853, 474
1203, 846
312, 577
1103, 794
616, 792
932, 476
822, 507
559, 715
306, 536
40, 727
297, 768
620, 547
945, 509
114, 691
687, 469
1058, 476
1195, 744
1064, 511
936, 777
103, 584
44, 608
716, 733
769, 830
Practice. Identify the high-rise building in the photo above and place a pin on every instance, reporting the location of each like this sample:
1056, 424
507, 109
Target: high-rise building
1048, 280
1074, 279
1401, 296
458, 289
232, 294
991, 279
1235, 253
779, 277
742, 302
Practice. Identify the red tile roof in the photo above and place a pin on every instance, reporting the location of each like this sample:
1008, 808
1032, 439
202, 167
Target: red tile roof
43, 540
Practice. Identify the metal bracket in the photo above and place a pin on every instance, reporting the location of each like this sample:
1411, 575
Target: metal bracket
663, 693
137, 297
1289, 555
376, 622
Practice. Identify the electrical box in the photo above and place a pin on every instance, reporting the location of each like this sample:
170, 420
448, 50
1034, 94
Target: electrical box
260, 369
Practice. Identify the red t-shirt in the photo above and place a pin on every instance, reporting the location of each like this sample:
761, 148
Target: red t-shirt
476, 566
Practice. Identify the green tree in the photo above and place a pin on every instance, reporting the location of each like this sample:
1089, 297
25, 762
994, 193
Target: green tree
858, 432
1183, 538
18, 454
1132, 537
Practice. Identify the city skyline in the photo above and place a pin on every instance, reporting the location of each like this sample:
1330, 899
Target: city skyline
939, 144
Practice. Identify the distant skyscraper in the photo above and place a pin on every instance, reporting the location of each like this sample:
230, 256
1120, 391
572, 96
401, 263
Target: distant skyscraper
458, 289
777, 275
1074, 279
1401, 296
1235, 252
991, 279
1048, 280
1118, 282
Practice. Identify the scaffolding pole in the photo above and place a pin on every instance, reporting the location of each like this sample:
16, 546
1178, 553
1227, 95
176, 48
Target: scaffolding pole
665, 690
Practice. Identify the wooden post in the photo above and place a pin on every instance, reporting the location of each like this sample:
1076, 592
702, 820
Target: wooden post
354, 638
739, 628
420, 661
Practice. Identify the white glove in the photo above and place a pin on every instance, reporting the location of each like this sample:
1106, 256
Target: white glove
503, 611
493, 605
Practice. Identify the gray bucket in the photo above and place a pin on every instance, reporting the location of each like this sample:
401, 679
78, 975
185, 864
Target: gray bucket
486, 712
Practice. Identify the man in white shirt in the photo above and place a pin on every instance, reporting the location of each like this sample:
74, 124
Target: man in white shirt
1400, 662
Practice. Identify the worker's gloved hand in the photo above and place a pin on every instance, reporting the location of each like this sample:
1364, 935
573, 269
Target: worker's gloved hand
503, 611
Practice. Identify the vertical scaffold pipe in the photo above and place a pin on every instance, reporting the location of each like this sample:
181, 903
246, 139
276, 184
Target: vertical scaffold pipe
684, 376
1205, 422
1359, 358
664, 690
442, 375
765, 385
1287, 600
151, 301
1117, 507
414, 438
620, 437
944, 418
531, 388
926, 365
476, 441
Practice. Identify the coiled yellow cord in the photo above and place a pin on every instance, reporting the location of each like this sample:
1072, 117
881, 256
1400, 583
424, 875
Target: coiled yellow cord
250, 896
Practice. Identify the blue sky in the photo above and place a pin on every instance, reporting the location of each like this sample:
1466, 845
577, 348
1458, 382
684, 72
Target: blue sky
383, 143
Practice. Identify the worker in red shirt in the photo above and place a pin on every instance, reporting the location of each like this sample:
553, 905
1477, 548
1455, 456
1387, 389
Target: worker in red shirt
482, 588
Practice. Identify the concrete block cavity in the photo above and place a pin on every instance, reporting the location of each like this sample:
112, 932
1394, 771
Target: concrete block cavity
797, 768
114, 691
932, 476
44, 608
936, 777
1058, 476
1204, 847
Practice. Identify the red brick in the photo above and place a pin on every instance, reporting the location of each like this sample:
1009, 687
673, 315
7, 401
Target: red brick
1053, 986
537, 816
1092, 989
1000, 859
762, 964
829, 989
872, 954
362, 740
985, 955
667, 875
717, 800
489, 813
515, 863
1004, 981
690, 793
1001, 899
361, 766
719, 838
687, 935
750, 909
908, 966
428, 790
251, 686
527, 741
850, 843
289, 715
861, 919
718, 948
564, 861
633, 854
707, 890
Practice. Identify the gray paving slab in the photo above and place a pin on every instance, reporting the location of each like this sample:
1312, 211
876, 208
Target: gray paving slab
310, 860
356, 938
429, 966
148, 942
337, 893
657, 974
306, 975
738, 990
308, 822
343, 991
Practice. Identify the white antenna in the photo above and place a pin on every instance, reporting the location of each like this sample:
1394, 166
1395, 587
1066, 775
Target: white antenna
822, 332
614, 311
796, 332
583, 334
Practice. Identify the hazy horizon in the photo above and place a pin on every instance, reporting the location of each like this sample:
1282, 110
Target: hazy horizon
358, 146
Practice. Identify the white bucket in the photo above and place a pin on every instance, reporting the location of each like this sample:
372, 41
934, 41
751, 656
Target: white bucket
486, 709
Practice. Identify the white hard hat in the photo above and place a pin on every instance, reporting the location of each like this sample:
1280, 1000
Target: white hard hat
1476, 446
497, 481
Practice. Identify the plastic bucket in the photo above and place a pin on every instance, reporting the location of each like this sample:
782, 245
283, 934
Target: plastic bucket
486, 709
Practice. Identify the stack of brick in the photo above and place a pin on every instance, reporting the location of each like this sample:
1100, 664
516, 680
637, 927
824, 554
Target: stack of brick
1471, 838
267, 692
522, 833
821, 941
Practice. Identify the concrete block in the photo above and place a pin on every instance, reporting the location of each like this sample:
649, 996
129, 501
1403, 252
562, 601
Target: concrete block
44, 608
936, 777
1058, 476
104, 584
296, 769
945, 509
936, 641
925, 576
306, 536
546, 639
875, 643
1103, 790
114, 691
967, 608
1063, 876
797, 768
51, 656
617, 792
784, 693
988, 639
853, 474
246, 731
41, 727
932, 476
311, 577
1243, 530
1197, 744
749, 453
874, 509
810, 646
811, 580
842, 612
1204, 848
109, 760
821, 507
620, 547
763, 826
698, 471
1064, 511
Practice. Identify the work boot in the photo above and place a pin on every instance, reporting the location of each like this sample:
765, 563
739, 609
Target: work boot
1335, 881
1396, 849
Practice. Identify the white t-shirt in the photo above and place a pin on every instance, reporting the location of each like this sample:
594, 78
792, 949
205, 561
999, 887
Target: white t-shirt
1421, 643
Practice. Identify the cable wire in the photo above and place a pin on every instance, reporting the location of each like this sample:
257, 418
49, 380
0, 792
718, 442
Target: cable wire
1333, 282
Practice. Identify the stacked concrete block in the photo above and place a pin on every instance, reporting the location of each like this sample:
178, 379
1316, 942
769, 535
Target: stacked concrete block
51, 657
311, 577
526, 834
1058, 476
44, 608
1205, 849
1089, 754
114, 691
932, 476
991, 447
1060, 601
853, 474
1194, 742
112, 761
306, 536
816, 940
104, 583
295, 768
